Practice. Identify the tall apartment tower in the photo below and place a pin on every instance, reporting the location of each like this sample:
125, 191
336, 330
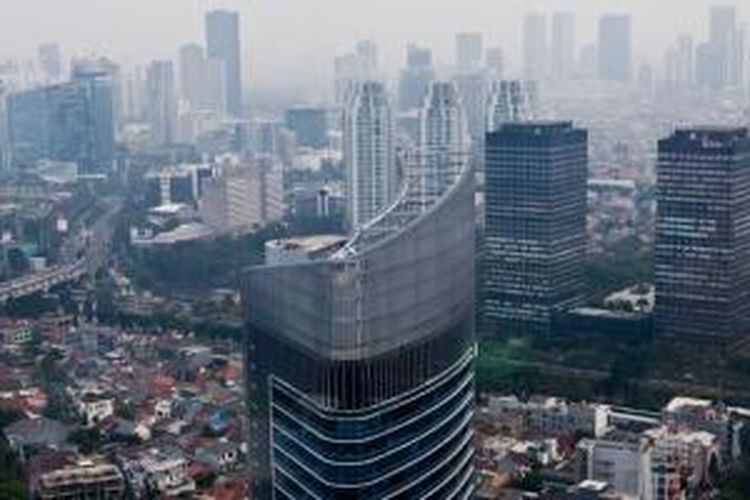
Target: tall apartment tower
469, 52
369, 153
360, 380
443, 135
563, 46
615, 52
223, 44
702, 261
162, 102
535, 48
511, 101
535, 224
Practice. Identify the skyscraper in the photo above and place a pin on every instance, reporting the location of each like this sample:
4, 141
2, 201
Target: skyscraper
50, 61
369, 154
563, 44
727, 46
535, 224
535, 47
468, 52
415, 77
442, 135
310, 125
359, 355
680, 63
615, 58
69, 122
223, 44
702, 249
510, 101
192, 68
162, 102
354, 68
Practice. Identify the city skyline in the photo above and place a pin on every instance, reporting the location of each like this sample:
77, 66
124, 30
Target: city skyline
307, 56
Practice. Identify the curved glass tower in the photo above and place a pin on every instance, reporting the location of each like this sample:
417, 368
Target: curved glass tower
359, 362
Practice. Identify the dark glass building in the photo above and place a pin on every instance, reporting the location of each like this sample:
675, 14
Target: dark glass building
360, 377
223, 44
702, 251
310, 126
535, 224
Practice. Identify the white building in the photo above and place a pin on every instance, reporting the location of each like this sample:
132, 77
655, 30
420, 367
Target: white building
245, 195
510, 101
95, 407
620, 459
369, 153
442, 133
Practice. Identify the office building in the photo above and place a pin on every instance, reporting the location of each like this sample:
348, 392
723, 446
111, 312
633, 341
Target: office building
469, 52
310, 126
442, 135
535, 224
727, 47
415, 77
353, 68
245, 195
192, 60
702, 247
535, 46
69, 122
5, 146
50, 62
369, 153
494, 60
510, 101
679, 63
615, 52
162, 102
223, 44
563, 45
360, 383
472, 87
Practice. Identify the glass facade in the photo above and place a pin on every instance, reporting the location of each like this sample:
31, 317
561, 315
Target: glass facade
702, 250
535, 224
360, 365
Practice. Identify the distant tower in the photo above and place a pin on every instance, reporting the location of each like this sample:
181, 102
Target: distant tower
563, 44
223, 44
468, 52
192, 74
50, 61
702, 247
615, 52
162, 99
353, 68
535, 224
510, 101
727, 46
535, 46
442, 136
415, 77
369, 153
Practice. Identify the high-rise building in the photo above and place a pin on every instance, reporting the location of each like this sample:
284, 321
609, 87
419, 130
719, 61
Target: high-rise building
415, 77
442, 135
359, 355
495, 62
223, 44
50, 61
536, 176
680, 63
369, 152
563, 44
726, 42
615, 53
5, 146
510, 101
702, 248
472, 87
310, 125
354, 68
535, 48
245, 195
69, 122
192, 74
468, 52
162, 102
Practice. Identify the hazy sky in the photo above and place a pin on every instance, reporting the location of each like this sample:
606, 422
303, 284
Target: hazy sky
295, 40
